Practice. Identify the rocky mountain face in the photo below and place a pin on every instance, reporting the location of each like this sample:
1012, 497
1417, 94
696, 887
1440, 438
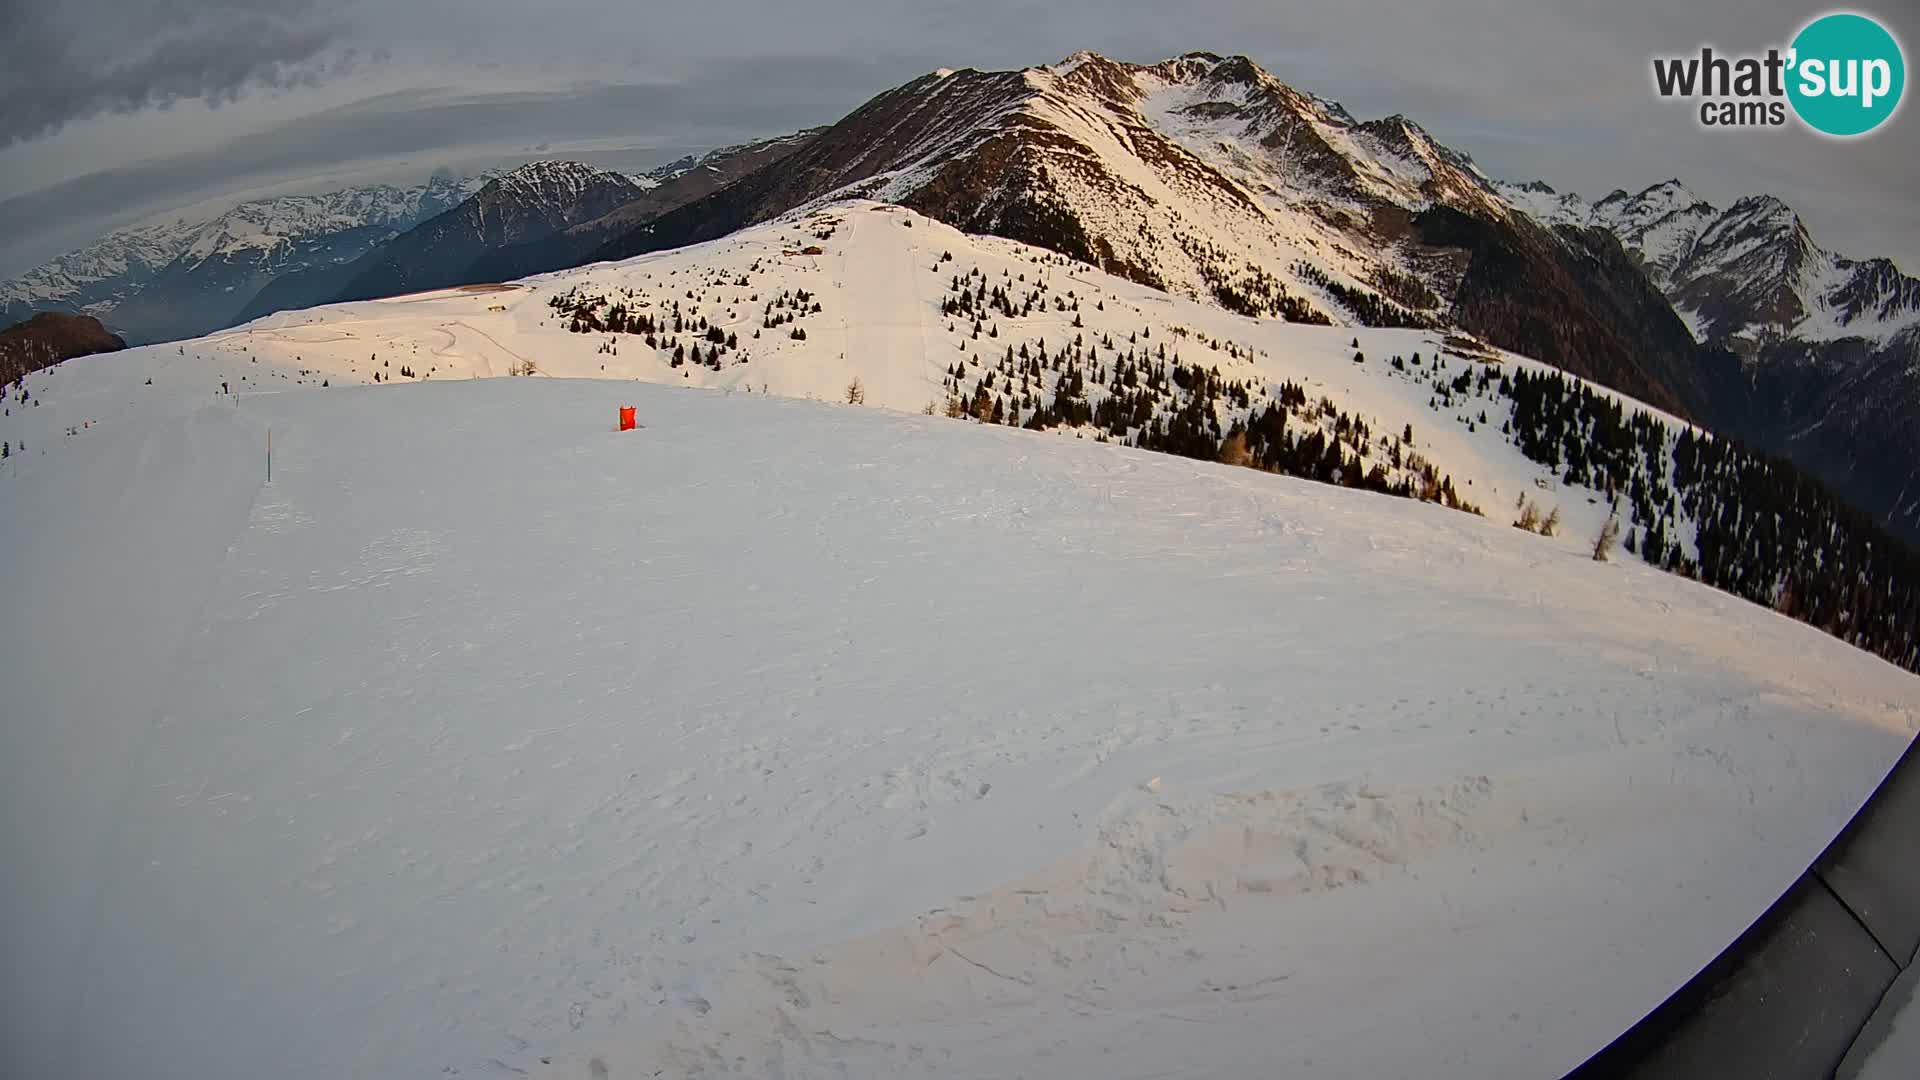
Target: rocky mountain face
528, 204
1830, 351
47, 339
1844, 410
666, 188
188, 277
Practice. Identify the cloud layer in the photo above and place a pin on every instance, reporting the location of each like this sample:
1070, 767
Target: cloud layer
74, 59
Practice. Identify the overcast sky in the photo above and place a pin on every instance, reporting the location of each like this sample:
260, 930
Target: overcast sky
116, 110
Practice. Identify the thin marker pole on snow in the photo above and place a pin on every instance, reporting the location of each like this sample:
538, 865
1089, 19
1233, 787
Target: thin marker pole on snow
269, 455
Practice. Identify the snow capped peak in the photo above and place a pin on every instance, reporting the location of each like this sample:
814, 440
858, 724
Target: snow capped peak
1203, 174
678, 167
1069, 65
1758, 228
1087, 72
1752, 275
1546, 204
1746, 275
1406, 137
1623, 211
1214, 68
549, 168
553, 178
1670, 189
1232, 76
1661, 222
1764, 207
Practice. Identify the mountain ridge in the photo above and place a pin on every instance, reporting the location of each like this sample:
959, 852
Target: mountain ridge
528, 203
668, 187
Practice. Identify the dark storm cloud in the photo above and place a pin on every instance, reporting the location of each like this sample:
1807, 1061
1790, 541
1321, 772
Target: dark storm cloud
68, 60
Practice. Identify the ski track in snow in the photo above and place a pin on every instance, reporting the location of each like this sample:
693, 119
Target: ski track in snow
894, 284
788, 739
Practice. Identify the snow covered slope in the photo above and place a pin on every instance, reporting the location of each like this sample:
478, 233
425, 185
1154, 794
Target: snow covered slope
872, 300
792, 738
884, 281
882, 277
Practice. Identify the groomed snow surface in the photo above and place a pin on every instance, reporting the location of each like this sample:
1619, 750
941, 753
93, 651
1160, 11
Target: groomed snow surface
786, 738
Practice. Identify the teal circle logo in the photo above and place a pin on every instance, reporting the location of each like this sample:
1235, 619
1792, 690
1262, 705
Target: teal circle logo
1847, 74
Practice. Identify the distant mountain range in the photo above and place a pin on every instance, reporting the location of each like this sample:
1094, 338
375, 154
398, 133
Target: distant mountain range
1746, 276
1204, 176
673, 186
529, 203
188, 277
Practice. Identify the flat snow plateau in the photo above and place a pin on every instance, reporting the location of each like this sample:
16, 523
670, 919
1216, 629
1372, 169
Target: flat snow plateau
782, 738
